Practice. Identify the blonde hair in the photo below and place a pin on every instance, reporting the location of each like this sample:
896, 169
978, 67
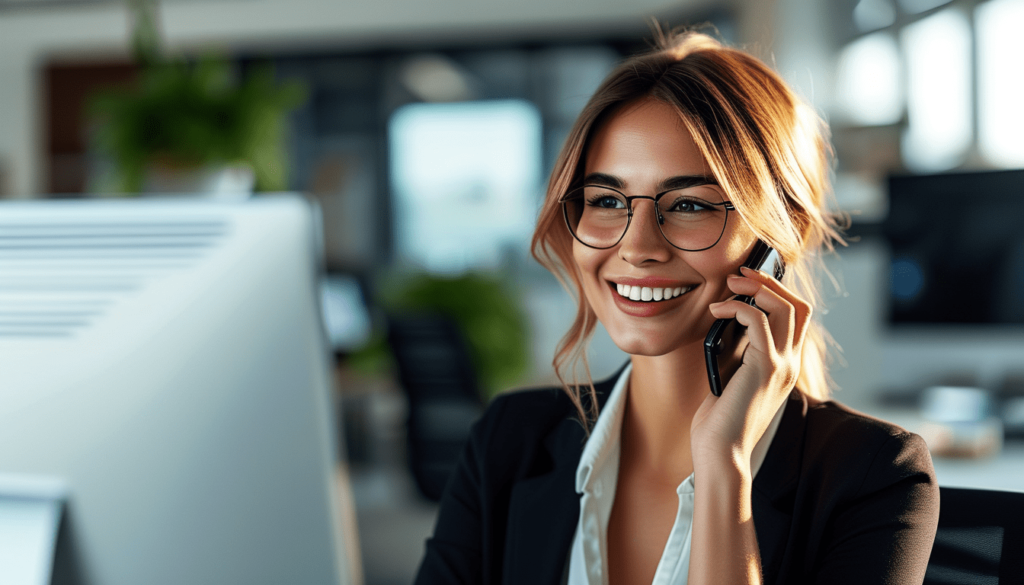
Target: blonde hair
768, 150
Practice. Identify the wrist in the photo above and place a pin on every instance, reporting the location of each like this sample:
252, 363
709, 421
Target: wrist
725, 491
731, 469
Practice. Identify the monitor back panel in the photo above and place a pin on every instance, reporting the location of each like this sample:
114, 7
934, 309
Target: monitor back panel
166, 361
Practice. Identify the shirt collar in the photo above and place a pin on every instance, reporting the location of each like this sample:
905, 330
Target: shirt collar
604, 437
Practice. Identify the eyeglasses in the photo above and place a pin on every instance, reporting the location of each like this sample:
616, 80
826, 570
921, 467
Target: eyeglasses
690, 219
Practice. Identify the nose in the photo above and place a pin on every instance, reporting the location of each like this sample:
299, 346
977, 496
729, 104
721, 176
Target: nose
643, 241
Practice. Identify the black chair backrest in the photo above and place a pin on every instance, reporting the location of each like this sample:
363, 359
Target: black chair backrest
980, 540
433, 357
436, 371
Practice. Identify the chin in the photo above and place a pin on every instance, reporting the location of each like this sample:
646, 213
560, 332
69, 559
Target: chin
650, 344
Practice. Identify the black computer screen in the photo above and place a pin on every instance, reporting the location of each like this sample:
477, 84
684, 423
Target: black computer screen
957, 243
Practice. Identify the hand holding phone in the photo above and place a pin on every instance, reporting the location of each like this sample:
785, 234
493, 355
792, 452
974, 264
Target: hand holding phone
762, 258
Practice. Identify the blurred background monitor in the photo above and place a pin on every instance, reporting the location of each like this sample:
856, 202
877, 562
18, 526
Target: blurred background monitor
346, 316
957, 248
165, 360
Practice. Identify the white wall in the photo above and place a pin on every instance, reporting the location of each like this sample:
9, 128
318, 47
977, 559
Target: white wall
30, 35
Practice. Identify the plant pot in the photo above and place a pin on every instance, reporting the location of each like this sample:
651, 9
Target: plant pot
222, 182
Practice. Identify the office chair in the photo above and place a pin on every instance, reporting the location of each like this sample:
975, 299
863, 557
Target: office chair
980, 540
436, 371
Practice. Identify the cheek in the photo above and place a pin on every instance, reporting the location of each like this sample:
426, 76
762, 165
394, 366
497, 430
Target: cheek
730, 253
716, 267
737, 249
586, 259
588, 263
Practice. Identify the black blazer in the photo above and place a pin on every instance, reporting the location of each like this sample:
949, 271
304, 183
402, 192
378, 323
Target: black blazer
840, 497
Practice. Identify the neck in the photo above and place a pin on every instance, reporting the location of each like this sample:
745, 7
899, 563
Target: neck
664, 394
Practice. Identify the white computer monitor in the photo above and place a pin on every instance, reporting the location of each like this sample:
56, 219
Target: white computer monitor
165, 362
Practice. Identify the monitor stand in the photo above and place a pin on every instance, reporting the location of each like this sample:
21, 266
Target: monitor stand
30, 511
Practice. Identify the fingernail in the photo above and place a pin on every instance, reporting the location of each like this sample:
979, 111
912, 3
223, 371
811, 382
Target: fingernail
734, 276
745, 270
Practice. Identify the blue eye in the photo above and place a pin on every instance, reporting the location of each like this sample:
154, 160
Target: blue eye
606, 201
690, 205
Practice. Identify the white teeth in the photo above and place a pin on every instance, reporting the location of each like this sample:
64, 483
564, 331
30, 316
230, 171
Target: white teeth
638, 293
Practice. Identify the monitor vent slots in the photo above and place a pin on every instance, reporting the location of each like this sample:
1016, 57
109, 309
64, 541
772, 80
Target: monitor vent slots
58, 278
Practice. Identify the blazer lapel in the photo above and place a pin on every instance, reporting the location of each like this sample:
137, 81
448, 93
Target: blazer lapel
775, 487
544, 509
543, 512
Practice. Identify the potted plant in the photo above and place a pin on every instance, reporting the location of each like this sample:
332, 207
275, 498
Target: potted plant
190, 125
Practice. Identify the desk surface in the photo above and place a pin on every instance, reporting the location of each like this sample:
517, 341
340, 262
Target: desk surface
1003, 471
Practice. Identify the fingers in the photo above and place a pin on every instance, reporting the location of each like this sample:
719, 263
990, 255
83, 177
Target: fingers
781, 313
776, 326
772, 296
758, 329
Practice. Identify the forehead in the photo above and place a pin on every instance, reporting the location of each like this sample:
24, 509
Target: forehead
642, 143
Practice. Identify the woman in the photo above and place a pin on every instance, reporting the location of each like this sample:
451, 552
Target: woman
680, 163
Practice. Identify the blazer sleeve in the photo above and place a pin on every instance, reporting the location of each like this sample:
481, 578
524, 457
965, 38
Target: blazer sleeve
884, 534
454, 554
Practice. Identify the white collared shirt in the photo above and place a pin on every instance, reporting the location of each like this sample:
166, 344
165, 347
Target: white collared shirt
596, 478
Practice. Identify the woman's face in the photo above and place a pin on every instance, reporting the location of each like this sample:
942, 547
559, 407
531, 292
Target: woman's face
641, 146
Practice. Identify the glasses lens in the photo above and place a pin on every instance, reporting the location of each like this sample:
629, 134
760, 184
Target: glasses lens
694, 219
597, 216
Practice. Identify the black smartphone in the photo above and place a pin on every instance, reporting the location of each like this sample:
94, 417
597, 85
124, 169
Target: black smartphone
762, 258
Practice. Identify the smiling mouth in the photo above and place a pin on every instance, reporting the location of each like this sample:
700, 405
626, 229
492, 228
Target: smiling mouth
647, 294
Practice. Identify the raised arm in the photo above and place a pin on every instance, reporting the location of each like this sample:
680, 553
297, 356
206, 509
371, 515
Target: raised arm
725, 429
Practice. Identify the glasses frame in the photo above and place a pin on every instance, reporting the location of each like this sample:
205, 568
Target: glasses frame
629, 216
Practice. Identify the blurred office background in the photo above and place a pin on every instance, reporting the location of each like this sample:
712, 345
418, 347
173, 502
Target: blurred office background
425, 132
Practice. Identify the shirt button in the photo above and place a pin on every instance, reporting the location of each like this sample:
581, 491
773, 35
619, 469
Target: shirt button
597, 488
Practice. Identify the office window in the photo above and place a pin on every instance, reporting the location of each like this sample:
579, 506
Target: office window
938, 53
917, 6
997, 26
956, 102
465, 181
870, 88
871, 15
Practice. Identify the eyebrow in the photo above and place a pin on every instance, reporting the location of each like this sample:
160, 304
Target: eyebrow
669, 184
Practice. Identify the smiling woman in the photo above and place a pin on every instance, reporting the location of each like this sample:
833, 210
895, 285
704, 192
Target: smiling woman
684, 165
